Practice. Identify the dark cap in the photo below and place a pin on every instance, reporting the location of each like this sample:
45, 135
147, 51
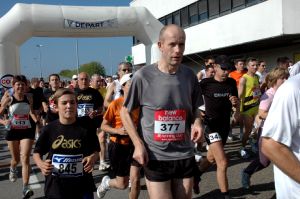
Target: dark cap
224, 62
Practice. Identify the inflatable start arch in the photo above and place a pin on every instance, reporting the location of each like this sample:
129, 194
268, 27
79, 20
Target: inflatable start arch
24, 21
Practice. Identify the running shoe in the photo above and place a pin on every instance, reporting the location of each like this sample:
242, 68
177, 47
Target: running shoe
245, 179
244, 154
13, 175
103, 166
129, 184
27, 192
103, 187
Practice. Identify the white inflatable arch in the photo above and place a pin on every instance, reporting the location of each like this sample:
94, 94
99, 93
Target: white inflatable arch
24, 21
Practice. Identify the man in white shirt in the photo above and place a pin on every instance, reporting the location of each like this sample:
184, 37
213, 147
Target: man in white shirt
281, 138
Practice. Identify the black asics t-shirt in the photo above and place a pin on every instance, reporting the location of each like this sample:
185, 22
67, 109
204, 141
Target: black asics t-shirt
89, 99
66, 145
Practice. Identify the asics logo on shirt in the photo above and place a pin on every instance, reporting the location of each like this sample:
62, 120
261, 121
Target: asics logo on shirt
66, 144
84, 97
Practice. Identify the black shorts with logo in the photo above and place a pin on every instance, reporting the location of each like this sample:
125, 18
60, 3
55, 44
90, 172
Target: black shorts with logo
161, 171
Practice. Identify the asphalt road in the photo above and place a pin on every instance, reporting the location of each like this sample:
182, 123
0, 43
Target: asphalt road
262, 182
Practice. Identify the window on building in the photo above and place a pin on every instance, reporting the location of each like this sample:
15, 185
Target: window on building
169, 19
203, 14
176, 18
193, 13
238, 3
184, 17
213, 8
251, 2
225, 6
163, 20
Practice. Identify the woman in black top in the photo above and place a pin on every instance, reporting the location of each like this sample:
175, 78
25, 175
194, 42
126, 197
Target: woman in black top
20, 126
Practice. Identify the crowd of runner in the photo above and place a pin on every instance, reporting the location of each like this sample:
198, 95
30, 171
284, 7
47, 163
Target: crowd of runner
156, 119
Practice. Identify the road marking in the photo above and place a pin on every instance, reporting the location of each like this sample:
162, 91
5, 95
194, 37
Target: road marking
34, 181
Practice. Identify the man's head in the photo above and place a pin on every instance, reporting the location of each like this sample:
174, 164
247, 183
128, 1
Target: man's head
251, 65
83, 80
42, 84
35, 82
74, 81
209, 60
124, 68
283, 62
239, 64
96, 81
222, 67
171, 44
209, 71
109, 79
54, 81
261, 66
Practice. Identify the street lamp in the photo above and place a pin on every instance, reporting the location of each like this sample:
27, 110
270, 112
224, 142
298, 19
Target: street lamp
77, 57
40, 57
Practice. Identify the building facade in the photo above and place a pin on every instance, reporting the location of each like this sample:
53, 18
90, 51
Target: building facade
265, 29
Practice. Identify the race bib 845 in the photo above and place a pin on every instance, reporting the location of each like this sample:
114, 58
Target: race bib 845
67, 165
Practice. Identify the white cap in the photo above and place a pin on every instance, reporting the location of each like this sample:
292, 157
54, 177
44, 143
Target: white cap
74, 77
125, 78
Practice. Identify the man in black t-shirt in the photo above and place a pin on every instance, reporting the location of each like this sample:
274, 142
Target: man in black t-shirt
220, 96
90, 102
49, 107
38, 98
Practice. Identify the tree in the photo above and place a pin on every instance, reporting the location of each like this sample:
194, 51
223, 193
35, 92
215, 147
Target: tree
66, 73
90, 68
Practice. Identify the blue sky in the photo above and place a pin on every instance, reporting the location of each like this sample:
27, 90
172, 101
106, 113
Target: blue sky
60, 53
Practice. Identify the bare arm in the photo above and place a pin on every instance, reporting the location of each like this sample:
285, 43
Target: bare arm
235, 107
33, 116
140, 153
89, 162
262, 114
199, 75
45, 107
5, 101
45, 166
109, 94
282, 157
241, 88
106, 127
197, 130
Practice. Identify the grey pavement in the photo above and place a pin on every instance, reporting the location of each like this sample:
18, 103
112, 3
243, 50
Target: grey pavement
262, 182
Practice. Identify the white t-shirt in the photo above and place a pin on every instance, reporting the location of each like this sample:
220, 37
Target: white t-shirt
261, 76
117, 91
283, 126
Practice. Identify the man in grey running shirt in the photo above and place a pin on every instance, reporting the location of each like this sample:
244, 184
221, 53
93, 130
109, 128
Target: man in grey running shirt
167, 94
